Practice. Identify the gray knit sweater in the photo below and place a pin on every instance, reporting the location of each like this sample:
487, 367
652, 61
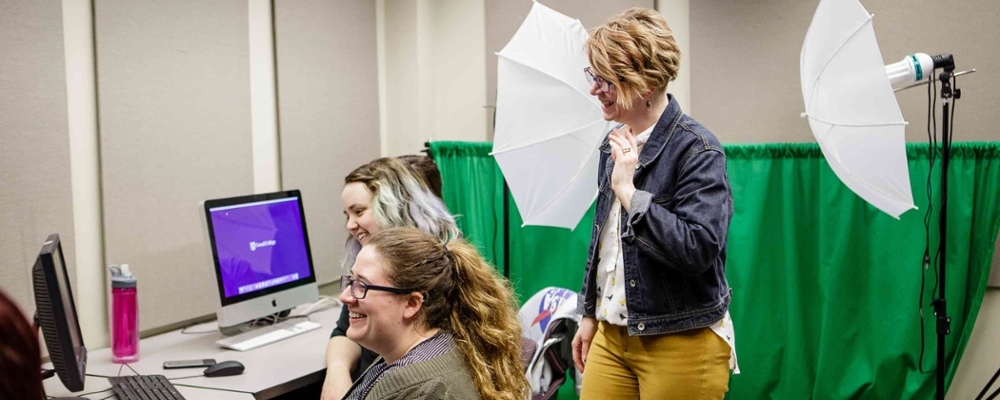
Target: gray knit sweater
444, 377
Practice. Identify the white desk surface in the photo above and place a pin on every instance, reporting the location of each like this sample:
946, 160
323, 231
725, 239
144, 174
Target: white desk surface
270, 370
53, 387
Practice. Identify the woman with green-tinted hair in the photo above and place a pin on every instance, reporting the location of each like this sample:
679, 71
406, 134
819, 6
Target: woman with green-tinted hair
382, 194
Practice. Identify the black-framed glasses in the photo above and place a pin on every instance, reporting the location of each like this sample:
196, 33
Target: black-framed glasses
360, 289
602, 83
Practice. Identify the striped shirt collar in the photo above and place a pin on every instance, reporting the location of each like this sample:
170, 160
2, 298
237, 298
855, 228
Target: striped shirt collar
437, 345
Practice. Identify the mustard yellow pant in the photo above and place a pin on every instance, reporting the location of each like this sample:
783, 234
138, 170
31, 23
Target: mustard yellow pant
692, 365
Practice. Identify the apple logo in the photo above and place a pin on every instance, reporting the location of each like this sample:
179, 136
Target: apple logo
274, 303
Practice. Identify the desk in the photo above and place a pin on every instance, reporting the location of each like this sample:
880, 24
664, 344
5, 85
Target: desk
270, 371
53, 387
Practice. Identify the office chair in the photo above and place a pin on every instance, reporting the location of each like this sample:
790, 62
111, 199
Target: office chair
549, 320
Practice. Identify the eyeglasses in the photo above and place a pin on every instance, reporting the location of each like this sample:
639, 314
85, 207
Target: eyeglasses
601, 82
360, 289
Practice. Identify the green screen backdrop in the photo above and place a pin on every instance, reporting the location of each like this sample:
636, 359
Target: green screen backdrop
826, 288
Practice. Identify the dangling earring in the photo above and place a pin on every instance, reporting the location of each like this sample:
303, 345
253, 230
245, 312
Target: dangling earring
649, 106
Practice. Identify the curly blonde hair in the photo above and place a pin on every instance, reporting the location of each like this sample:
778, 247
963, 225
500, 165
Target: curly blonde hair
463, 295
635, 51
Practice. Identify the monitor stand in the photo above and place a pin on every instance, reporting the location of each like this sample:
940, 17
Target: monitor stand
46, 373
241, 328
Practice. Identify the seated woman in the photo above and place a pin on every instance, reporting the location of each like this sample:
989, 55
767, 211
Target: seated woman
442, 322
384, 193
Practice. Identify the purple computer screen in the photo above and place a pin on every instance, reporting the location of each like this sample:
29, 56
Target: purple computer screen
260, 245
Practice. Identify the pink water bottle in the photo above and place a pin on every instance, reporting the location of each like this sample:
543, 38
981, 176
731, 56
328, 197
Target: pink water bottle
124, 316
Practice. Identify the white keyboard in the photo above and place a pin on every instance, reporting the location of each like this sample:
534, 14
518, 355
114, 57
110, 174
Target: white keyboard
266, 335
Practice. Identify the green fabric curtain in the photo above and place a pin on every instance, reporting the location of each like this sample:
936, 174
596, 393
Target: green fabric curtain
473, 191
825, 287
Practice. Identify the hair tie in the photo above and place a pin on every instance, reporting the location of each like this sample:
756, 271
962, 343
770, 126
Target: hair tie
450, 260
447, 253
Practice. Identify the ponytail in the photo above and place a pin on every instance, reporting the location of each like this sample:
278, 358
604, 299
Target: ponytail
462, 295
485, 325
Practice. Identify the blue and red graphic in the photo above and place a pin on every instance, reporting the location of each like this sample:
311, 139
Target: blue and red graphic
551, 301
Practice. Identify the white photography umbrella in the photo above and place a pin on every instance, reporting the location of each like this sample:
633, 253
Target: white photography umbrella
851, 107
548, 126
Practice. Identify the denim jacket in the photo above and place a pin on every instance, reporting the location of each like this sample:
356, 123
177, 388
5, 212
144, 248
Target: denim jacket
674, 238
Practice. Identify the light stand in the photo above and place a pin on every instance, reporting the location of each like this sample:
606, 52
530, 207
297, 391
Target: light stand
903, 75
948, 93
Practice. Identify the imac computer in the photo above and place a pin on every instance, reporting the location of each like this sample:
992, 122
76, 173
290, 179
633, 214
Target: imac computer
260, 247
55, 314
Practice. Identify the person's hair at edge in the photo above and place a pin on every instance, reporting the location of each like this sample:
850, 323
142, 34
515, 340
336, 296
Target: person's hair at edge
20, 357
462, 295
427, 170
400, 198
636, 52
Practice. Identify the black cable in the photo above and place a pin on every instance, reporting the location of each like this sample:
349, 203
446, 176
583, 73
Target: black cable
133, 370
934, 148
954, 105
186, 377
927, 223
88, 394
269, 320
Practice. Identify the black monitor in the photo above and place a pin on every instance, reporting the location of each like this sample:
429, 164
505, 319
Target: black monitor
56, 314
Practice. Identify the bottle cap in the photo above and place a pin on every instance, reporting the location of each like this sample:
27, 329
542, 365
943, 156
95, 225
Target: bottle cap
121, 277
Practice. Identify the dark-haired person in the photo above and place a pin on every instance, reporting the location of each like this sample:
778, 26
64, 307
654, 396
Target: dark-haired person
427, 169
655, 297
384, 193
20, 358
442, 321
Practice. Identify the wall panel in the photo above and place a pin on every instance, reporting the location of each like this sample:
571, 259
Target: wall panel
35, 190
745, 64
327, 111
174, 117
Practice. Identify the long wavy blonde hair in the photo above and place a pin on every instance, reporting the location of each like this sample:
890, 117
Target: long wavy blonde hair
400, 198
463, 295
634, 51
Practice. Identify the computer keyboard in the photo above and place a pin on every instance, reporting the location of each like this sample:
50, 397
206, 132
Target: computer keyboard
266, 335
145, 387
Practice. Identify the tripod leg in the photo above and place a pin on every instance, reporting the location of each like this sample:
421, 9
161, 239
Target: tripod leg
988, 384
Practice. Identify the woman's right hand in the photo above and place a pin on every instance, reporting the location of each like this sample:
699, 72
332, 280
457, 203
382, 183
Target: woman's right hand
336, 385
581, 341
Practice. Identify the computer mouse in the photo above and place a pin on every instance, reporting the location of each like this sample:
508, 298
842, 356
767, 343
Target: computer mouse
225, 368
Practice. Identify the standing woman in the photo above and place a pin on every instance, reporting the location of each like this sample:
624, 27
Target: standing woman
443, 323
655, 297
382, 194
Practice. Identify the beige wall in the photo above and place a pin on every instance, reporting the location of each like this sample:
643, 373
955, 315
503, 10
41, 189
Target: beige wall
35, 187
174, 105
175, 96
745, 64
328, 107
982, 356
434, 78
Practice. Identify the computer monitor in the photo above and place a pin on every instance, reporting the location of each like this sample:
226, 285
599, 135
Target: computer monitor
260, 247
56, 315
